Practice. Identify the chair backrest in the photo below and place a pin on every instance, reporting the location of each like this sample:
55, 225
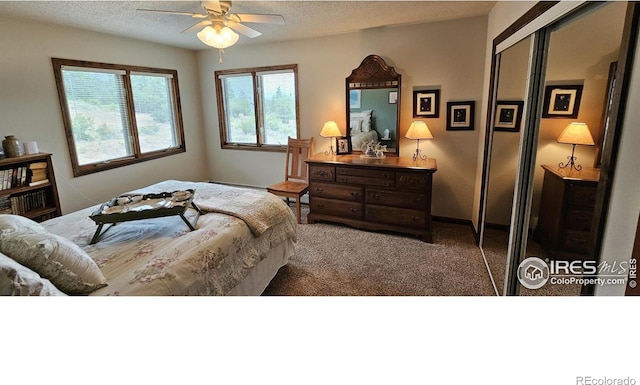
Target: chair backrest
298, 150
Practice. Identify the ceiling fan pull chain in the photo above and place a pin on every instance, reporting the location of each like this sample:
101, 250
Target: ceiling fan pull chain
221, 51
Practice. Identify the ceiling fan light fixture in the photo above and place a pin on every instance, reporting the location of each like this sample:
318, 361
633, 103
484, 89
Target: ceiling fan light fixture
218, 37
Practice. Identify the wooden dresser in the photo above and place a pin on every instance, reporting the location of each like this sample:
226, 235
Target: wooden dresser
566, 211
392, 194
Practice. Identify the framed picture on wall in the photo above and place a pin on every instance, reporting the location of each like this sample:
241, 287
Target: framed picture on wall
562, 101
343, 145
460, 115
508, 115
393, 97
426, 104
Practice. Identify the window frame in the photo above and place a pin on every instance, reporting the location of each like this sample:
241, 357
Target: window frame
137, 156
254, 72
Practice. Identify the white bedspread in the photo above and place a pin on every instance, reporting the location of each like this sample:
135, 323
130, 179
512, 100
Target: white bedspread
161, 256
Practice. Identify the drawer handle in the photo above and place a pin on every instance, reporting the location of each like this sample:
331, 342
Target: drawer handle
387, 176
417, 200
416, 219
386, 184
354, 194
354, 210
375, 196
343, 180
319, 189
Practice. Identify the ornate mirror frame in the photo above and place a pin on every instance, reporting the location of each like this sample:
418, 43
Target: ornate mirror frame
375, 77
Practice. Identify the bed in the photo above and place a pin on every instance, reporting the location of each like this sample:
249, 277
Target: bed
240, 241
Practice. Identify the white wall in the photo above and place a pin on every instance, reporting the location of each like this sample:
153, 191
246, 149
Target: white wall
449, 55
30, 109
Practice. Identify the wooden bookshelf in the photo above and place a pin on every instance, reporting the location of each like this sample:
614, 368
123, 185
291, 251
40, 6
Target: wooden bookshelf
39, 202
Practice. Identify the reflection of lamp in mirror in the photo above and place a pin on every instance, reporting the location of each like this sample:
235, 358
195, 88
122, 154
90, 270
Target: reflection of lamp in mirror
330, 130
418, 130
575, 133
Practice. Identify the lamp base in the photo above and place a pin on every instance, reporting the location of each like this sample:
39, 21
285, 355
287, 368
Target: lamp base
330, 151
571, 161
417, 155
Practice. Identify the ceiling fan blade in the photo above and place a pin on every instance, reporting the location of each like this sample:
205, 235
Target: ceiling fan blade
243, 29
197, 26
194, 15
257, 18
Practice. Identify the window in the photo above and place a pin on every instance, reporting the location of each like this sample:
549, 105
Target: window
115, 115
258, 107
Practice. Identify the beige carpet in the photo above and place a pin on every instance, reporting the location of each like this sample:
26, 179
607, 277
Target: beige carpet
336, 260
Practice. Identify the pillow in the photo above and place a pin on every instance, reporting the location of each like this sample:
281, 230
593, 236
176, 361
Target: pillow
16, 279
56, 258
356, 126
18, 223
366, 119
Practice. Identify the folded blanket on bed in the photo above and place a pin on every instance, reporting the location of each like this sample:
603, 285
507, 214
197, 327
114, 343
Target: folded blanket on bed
237, 202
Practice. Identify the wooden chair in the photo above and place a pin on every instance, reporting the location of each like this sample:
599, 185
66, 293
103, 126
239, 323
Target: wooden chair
296, 178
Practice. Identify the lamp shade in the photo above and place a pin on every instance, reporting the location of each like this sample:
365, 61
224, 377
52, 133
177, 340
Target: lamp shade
218, 36
418, 130
330, 129
576, 133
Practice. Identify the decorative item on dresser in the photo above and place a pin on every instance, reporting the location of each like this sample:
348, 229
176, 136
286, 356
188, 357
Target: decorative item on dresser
566, 211
392, 193
28, 187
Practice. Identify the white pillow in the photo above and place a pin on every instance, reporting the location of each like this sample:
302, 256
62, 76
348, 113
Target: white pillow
56, 258
16, 279
366, 119
18, 223
356, 126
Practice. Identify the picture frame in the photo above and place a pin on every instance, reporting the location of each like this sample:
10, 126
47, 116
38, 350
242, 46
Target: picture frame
461, 115
562, 101
354, 98
508, 115
393, 97
343, 145
426, 104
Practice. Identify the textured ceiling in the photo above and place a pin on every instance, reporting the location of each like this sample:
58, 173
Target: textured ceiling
303, 19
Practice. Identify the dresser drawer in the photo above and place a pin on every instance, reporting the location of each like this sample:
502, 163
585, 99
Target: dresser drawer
364, 181
579, 219
378, 174
322, 173
582, 195
410, 180
395, 216
397, 199
336, 191
335, 207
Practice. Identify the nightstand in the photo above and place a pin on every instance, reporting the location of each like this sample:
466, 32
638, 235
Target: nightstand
566, 211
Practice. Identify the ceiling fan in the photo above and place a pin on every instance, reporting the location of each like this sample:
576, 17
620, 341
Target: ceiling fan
217, 23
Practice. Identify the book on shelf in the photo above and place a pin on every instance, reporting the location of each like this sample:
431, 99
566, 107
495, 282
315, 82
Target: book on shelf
14, 177
38, 165
38, 182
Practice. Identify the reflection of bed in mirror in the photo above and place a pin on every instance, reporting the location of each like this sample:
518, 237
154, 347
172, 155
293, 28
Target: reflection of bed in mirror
361, 129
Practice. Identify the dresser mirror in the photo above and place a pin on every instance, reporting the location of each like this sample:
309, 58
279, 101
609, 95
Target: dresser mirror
373, 105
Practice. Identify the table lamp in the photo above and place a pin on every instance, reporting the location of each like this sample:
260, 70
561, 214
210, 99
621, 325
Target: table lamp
330, 130
575, 133
418, 130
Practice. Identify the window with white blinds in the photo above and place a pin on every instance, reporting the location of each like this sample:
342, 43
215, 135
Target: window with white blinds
116, 115
257, 107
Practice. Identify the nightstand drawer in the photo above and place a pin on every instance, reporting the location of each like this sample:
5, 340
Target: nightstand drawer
335, 207
322, 173
395, 216
396, 199
576, 241
335, 191
582, 195
579, 219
